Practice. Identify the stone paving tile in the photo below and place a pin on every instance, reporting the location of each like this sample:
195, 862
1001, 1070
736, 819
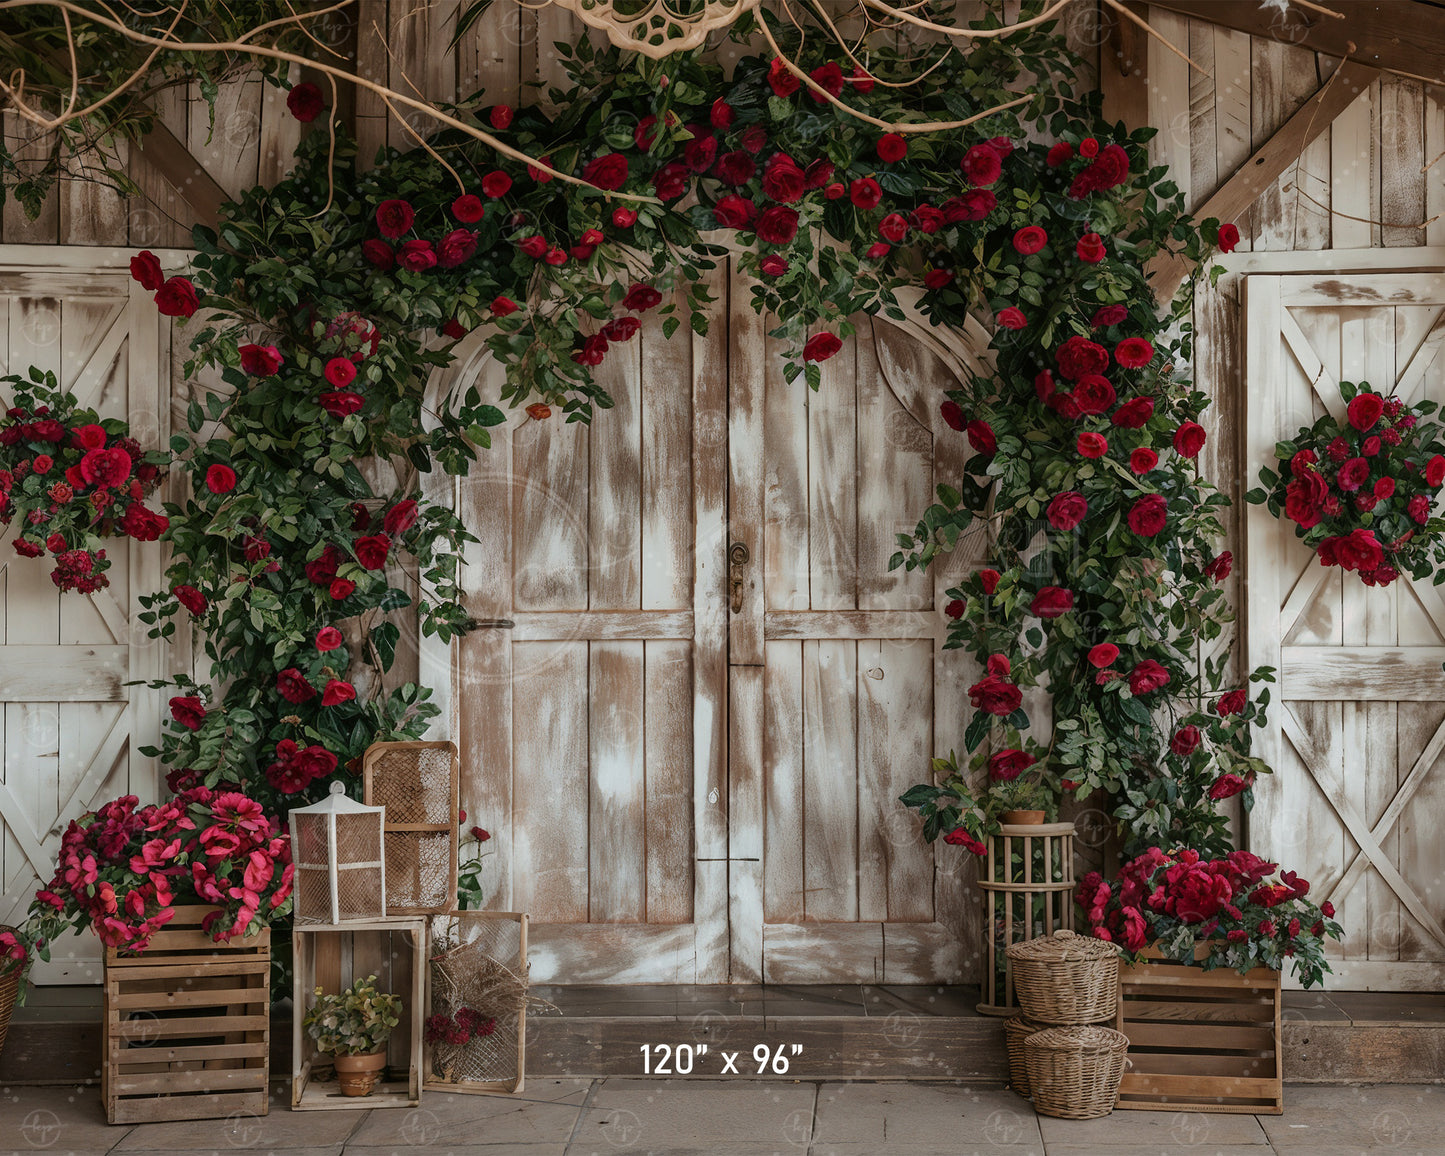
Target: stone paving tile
655, 1115
1165, 1149
281, 1128
923, 1115
445, 1121
505, 1148
1171, 1131
1399, 1118
55, 1120
961, 1146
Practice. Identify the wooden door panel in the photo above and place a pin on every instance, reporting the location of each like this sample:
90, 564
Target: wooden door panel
1355, 730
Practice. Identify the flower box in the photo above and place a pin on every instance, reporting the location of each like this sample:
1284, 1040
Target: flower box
187, 1026
1201, 1041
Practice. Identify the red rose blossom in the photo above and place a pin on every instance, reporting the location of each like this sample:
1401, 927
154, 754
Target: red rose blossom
981, 438
1079, 356
981, 165
1233, 702
1067, 510
177, 298
721, 115
1052, 602
1092, 445
1435, 470
1228, 238
953, 415
641, 298
865, 193
821, 346
293, 686
1009, 317
1030, 239
1006, 765
500, 117
624, 218
778, 225
735, 168
1147, 676
1103, 654
1189, 439
1185, 741
496, 184
1148, 515
260, 360
337, 692
892, 147
416, 255
1226, 787
145, 267
828, 77
188, 711
607, 172
989, 579
621, 328
189, 597
995, 695
328, 638
734, 212
1090, 248
394, 218
304, 102
341, 403
958, 837
502, 306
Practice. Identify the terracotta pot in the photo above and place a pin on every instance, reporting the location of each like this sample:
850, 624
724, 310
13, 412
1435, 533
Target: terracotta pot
1023, 818
358, 1074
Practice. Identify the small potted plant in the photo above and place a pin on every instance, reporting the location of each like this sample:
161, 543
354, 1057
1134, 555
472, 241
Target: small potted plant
353, 1027
1026, 801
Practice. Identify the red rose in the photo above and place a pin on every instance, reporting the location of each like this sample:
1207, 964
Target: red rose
821, 346
1384, 488
496, 184
958, 837
27, 549
699, 153
1226, 787
456, 247
893, 227
835, 191
593, 350
42, 464
400, 518
340, 372
176, 298
735, 168
502, 306
534, 246
1006, 765
1058, 154
500, 117
877, 250
305, 102
953, 415
621, 329
340, 403
1359, 550
1189, 439
328, 638
1364, 411
818, 174
1107, 315
861, 79
188, 711
942, 278
773, 266
106, 468
260, 360
1093, 445
1103, 655
1147, 676
892, 147
145, 267
974, 205
624, 218
1079, 356
1067, 510
539, 175
1093, 394
1148, 515
416, 256
142, 524
1232, 702
722, 115
342, 589
1052, 602
189, 597
1195, 893
926, 219
337, 692
1352, 475
1009, 317
1228, 238
1133, 353
865, 193
988, 579
828, 77
607, 172
734, 212
378, 253
783, 82
645, 133
980, 437
956, 608
1419, 509
91, 437
373, 549
1031, 238
755, 139
1185, 741
1371, 447
293, 686
1134, 413
1435, 470
778, 225
394, 217
322, 569
783, 180
1219, 568
1108, 171
670, 181
1090, 248
981, 165
996, 696
220, 479
641, 298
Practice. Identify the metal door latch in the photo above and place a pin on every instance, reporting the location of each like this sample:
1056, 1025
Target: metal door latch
738, 557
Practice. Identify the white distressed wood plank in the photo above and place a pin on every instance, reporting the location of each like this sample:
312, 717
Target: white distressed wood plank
601, 625
610, 954
1232, 84
749, 782
784, 624
1402, 161
615, 491
1169, 98
668, 786
832, 472
783, 842
830, 780
549, 527
787, 531
1367, 290
748, 507
667, 531
1434, 116
617, 794
1354, 181
40, 673
808, 953
1204, 176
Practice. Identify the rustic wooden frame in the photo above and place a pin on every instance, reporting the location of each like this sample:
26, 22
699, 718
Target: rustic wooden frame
478, 1087
1207, 1032
332, 958
1000, 896
185, 1073
368, 771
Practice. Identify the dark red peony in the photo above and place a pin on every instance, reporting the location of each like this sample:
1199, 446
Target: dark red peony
1079, 356
1133, 353
1094, 394
996, 696
1147, 676
394, 217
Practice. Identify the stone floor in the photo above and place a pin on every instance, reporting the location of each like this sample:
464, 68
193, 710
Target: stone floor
740, 1118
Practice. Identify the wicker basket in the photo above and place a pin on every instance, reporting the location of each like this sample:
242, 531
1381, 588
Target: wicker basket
1015, 1031
1074, 1073
9, 993
1066, 978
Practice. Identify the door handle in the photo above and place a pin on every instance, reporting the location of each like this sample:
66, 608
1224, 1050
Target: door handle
738, 558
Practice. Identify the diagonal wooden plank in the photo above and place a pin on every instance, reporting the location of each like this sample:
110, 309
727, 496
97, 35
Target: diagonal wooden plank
1309, 362
1302, 742
17, 823
1421, 361
92, 376
1302, 595
1431, 600
97, 770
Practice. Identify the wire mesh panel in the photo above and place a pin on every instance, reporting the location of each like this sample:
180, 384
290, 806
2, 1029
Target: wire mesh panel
477, 1002
417, 783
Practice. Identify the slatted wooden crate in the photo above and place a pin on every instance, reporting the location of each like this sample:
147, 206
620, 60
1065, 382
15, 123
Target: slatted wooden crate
1201, 1041
187, 1026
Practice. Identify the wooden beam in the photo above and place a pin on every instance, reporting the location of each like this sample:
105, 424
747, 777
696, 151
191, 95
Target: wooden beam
170, 157
1269, 162
1403, 37
1124, 67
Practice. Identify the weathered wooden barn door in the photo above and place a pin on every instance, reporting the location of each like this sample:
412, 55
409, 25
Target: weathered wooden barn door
839, 690
591, 708
68, 716
1357, 725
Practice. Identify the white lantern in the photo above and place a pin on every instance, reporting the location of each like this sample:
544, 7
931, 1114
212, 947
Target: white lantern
337, 847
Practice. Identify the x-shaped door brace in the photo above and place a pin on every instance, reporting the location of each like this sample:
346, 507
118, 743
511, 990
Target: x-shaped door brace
1366, 837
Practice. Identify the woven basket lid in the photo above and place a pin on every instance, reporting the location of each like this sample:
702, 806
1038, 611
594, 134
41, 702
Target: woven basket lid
1063, 946
1077, 1039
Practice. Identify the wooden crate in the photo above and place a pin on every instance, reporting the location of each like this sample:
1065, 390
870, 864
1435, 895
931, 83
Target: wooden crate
1200, 1041
332, 958
187, 1026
